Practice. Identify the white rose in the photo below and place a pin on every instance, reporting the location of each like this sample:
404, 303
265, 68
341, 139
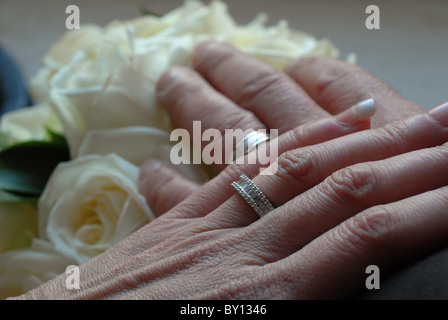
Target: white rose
18, 225
275, 45
30, 123
61, 54
76, 70
62, 51
74, 88
147, 143
127, 98
24, 269
102, 78
91, 203
90, 41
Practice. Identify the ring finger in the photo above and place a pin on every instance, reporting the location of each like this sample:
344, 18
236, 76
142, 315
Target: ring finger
301, 169
231, 90
352, 120
350, 191
195, 106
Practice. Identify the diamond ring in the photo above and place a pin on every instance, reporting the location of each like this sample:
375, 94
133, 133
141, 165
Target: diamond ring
247, 189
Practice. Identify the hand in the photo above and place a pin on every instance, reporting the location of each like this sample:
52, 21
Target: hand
341, 205
228, 89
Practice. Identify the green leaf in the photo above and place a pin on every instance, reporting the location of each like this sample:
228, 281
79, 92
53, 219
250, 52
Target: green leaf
26, 167
8, 197
57, 139
3, 140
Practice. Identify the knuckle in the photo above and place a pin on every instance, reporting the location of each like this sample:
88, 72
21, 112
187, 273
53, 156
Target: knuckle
299, 133
442, 151
303, 135
444, 147
258, 84
371, 229
356, 184
296, 165
305, 62
394, 135
243, 120
333, 76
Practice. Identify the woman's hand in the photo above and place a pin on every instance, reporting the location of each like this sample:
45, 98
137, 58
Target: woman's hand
227, 89
372, 197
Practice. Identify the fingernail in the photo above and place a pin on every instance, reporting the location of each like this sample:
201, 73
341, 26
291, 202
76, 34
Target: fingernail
361, 111
366, 109
440, 113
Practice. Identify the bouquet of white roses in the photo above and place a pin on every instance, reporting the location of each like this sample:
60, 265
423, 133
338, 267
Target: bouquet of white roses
69, 164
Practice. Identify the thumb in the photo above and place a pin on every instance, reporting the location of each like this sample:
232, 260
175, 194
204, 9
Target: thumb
164, 186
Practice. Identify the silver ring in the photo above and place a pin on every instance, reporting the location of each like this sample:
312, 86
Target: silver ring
252, 195
249, 143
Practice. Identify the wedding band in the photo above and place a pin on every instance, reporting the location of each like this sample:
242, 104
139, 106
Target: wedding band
250, 142
252, 195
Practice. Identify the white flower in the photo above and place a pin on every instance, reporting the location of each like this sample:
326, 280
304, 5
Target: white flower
195, 22
78, 60
98, 87
127, 98
62, 51
74, 88
30, 123
91, 203
18, 225
147, 143
24, 269
101, 78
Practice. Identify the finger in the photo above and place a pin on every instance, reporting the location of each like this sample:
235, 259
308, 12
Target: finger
298, 170
336, 84
355, 119
218, 190
348, 192
189, 98
385, 236
271, 95
163, 186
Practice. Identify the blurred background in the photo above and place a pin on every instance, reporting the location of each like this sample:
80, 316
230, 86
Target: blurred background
409, 51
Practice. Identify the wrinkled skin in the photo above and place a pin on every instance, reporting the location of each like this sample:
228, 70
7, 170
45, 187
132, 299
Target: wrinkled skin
348, 192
